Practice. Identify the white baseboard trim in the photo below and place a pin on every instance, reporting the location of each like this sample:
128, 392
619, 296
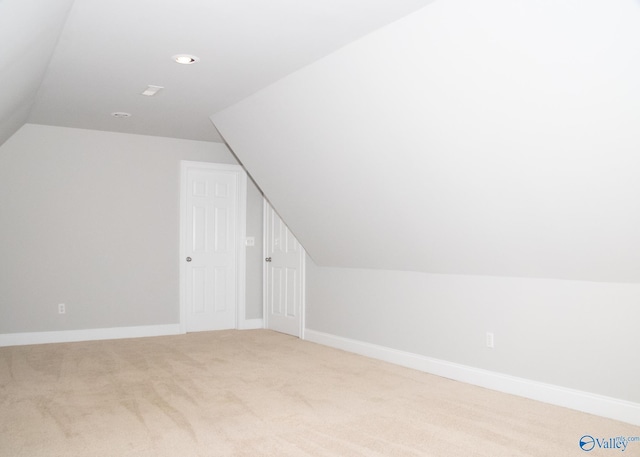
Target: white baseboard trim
599, 405
68, 336
251, 324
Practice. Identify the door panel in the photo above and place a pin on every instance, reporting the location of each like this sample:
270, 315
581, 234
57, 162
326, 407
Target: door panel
284, 277
210, 239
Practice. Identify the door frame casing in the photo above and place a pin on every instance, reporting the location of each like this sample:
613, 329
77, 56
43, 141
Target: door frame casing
266, 206
240, 235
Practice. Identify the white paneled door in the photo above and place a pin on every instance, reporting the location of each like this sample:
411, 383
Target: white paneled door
284, 277
211, 234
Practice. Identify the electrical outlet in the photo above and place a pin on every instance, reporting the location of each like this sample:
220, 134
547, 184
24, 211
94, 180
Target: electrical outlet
61, 308
250, 241
489, 340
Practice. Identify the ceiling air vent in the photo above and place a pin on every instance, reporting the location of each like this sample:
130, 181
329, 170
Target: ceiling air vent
151, 90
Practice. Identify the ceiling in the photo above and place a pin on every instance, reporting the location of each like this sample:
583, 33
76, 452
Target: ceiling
90, 58
484, 138
29, 30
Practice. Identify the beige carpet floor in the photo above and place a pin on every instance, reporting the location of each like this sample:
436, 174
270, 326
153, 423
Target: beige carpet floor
261, 393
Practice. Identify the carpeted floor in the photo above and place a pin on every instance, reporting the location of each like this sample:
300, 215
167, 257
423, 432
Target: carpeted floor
261, 393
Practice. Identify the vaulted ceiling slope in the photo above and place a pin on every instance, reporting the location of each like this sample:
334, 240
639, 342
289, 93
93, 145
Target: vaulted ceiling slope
29, 31
110, 51
471, 137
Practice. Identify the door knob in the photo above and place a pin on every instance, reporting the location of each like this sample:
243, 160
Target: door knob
188, 259
268, 259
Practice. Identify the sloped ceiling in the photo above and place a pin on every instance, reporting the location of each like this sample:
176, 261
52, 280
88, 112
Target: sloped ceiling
472, 137
29, 31
110, 50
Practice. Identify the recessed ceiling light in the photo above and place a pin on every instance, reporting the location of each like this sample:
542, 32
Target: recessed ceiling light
121, 114
186, 59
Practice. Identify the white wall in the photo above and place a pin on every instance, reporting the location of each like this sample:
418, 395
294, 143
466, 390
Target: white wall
574, 334
255, 258
91, 219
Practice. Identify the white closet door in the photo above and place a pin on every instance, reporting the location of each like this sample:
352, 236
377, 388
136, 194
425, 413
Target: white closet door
284, 277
